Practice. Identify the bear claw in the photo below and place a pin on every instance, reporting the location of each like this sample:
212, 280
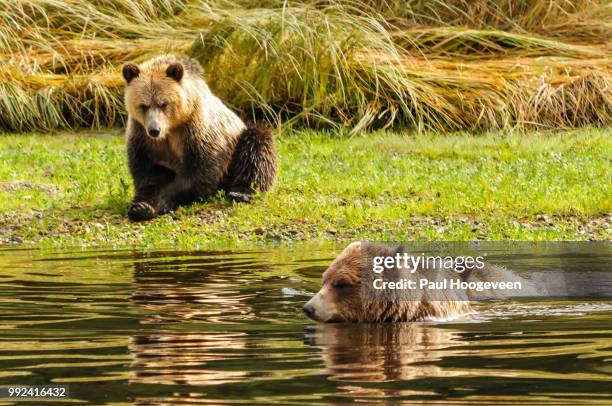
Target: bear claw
139, 211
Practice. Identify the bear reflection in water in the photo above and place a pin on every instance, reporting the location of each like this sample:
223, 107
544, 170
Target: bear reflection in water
383, 352
171, 294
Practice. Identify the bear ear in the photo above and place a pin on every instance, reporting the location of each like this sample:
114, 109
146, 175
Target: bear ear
175, 71
130, 71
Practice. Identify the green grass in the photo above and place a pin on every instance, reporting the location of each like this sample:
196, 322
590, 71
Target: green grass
75, 189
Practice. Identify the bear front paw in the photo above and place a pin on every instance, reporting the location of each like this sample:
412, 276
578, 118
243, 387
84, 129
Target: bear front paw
240, 197
139, 211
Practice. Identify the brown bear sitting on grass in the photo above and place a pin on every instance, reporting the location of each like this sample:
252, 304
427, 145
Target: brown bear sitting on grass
185, 144
344, 296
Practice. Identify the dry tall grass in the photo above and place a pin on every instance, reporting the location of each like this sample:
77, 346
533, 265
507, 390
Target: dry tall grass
430, 65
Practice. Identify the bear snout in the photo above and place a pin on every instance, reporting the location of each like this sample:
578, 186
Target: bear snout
321, 309
308, 310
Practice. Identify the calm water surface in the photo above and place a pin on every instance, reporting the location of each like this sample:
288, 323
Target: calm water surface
203, 327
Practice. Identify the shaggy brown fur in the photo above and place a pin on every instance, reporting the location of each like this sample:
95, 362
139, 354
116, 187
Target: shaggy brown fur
341, 298
185, 144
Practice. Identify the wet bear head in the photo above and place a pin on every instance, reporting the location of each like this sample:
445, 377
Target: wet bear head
157, 94
340, 298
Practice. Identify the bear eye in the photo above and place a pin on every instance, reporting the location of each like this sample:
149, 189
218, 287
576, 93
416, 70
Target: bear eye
163, 105
342, 285
144, 107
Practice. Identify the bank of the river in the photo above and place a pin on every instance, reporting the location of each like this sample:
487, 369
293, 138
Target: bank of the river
74, 189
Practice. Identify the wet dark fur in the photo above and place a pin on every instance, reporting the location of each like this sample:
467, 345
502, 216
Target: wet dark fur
204, 170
